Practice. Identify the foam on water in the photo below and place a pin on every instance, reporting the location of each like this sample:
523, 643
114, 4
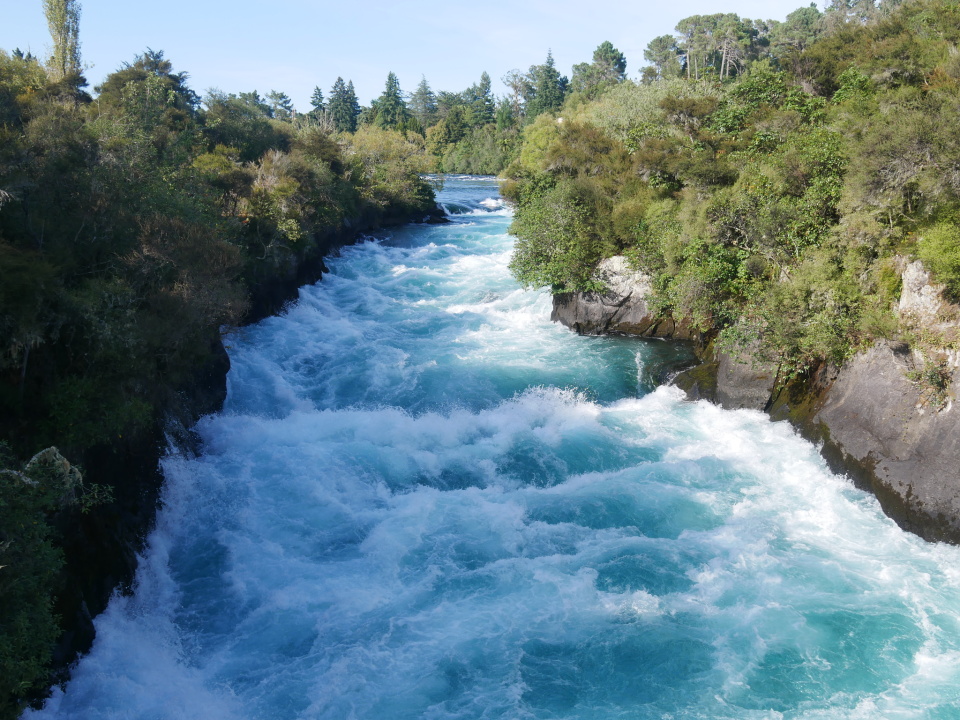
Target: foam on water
424, 500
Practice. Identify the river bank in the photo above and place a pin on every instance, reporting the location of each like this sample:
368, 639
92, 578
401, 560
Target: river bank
102, 546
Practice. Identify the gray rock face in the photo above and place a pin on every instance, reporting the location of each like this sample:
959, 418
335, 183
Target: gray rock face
731, 381
623, 309
876, 416
743, 382
919, 297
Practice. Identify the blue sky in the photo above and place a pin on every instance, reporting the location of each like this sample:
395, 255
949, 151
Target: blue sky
294, 45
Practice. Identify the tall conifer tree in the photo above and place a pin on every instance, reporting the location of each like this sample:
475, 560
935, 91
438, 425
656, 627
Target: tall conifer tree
546, 89
343, 106
316, 100
423, 104
391, 109
483, 104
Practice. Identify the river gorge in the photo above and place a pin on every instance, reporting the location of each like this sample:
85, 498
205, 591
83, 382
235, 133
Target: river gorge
423, 499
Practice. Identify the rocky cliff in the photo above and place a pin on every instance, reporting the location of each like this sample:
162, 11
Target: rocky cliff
887, 418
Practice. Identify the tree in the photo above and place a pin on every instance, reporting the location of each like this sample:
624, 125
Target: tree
316, 100
447, 101
840, 13
481, 101
242, 123
546, 88
718, 44
664, 55
801, 28
391, 109
351, 99
609, 66
63, 19
281, 106
343, 106
153, 99
255, 102
732, 38
504, 115
151, 63
423, 103
520, 89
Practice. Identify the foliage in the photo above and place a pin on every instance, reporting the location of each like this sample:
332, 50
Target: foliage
545, 89
939, 248
609, 67
768, 198
934, 378
316, 100
391, 110
556, 243
485, 151
242, 123
423, 103
133, 230
469, 131
343, 106
29, 565
63, 20
664, 54
388, 166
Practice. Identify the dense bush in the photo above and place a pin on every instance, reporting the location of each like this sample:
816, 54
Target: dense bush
768, 207
29, 564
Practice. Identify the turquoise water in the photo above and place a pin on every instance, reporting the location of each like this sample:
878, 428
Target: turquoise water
425, 500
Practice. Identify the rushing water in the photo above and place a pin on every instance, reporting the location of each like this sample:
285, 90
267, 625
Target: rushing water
424, 500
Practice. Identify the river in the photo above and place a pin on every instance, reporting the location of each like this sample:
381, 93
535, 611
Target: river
425, 500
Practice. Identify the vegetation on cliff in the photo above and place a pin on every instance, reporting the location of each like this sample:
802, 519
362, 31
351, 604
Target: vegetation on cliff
765, 174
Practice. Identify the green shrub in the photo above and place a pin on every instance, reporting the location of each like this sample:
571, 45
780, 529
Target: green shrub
29, 564
557, 245
939, 248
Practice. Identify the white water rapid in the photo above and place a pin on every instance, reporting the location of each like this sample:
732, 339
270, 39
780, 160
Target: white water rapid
425, 500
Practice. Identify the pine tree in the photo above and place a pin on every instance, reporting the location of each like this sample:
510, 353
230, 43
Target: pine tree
281, 106
254, 101
343, 106
391, 109
547, 88
611, 64
664, 55
423, 104
504, 114
353, 105
316, 100
483, 105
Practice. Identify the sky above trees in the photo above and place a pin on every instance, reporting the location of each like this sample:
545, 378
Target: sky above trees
295, 45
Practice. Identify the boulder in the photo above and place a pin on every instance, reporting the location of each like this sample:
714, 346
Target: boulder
621, 309
875, 414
